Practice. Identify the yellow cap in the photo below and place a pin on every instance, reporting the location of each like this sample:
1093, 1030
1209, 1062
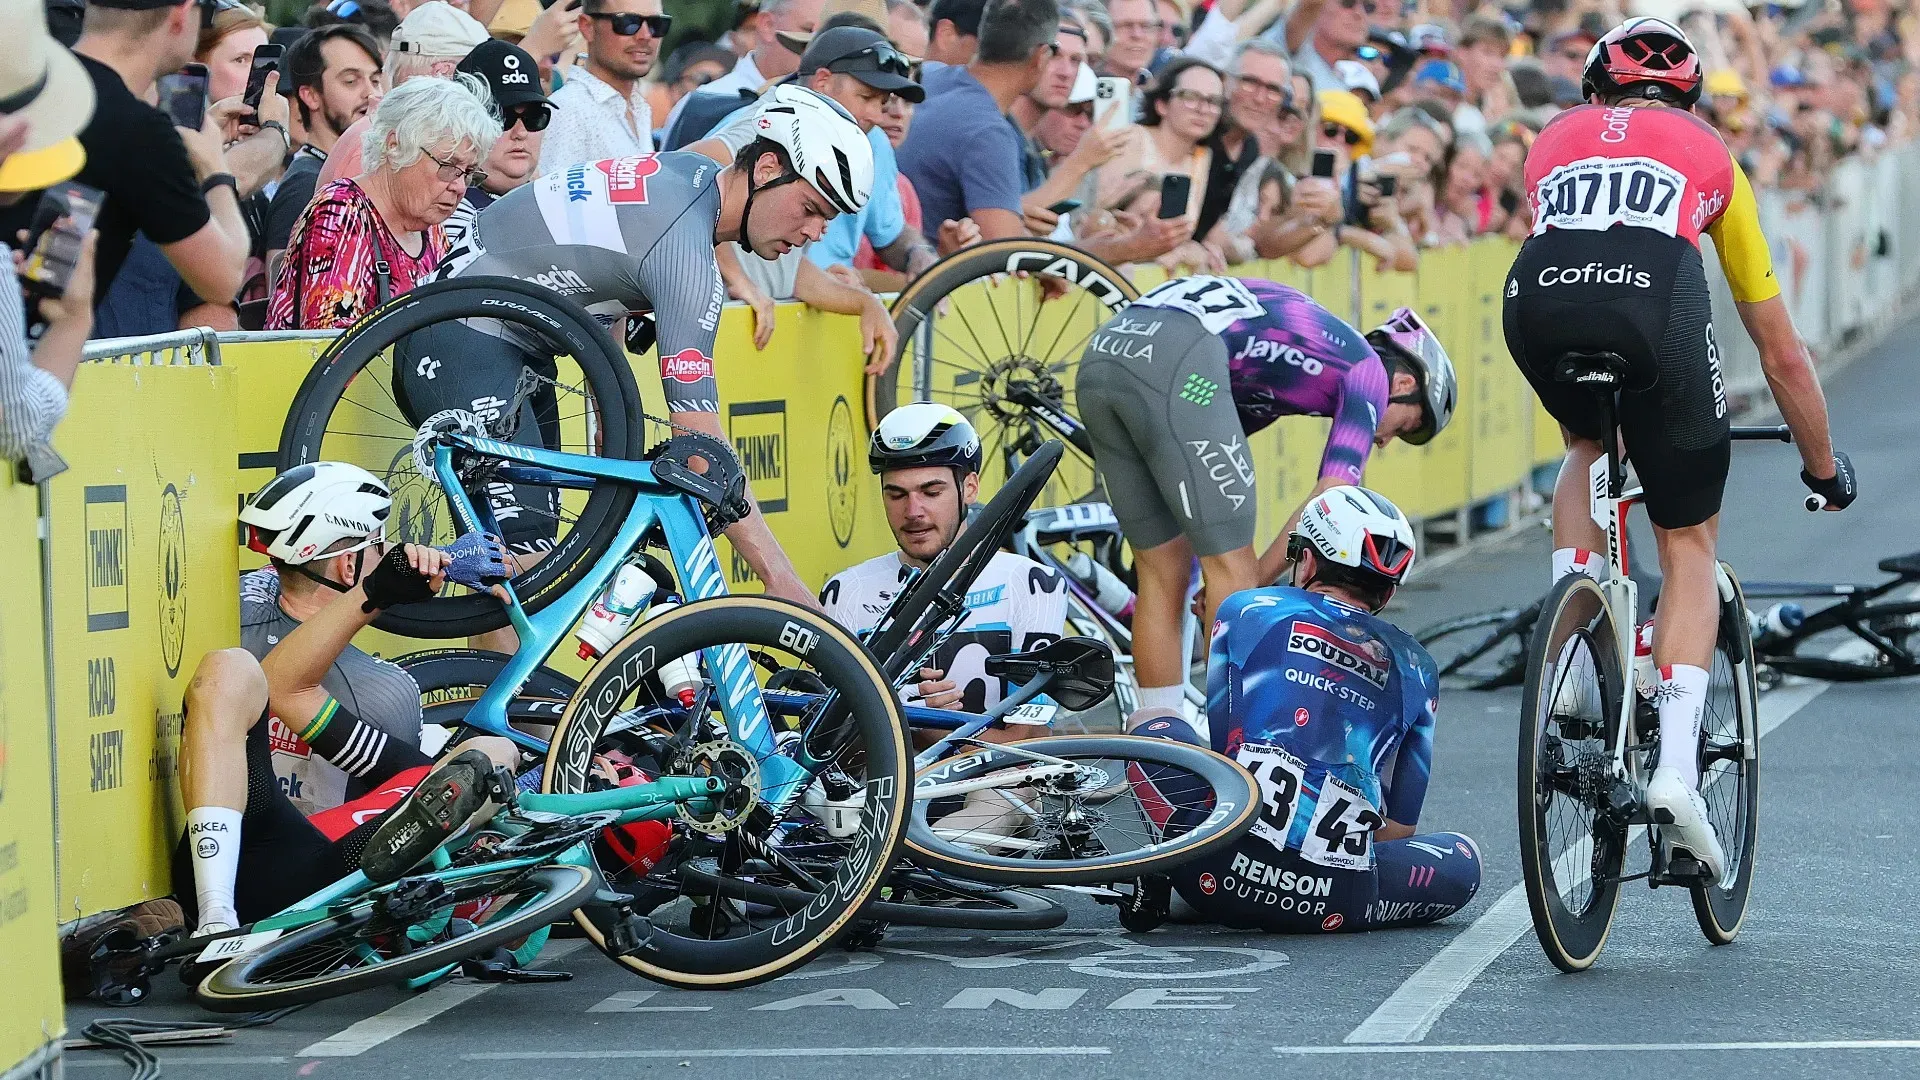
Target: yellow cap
1345, 108
1726, 83
36, 169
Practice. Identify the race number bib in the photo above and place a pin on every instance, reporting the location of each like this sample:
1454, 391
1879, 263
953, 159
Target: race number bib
1280, 775
1595, 194
1218, 302
1341, 833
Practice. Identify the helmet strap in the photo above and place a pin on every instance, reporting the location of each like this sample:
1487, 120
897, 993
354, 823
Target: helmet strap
305, 572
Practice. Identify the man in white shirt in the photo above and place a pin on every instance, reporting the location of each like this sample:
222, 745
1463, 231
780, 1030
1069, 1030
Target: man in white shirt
602, 111
769, 60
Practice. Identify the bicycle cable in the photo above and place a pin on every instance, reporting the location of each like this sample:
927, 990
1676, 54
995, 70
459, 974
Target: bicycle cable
124, 1036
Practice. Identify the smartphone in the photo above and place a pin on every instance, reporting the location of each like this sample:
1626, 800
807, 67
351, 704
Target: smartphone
1112, 103
1174, 190
1387, 185
1323, 163
183, 95
61, 221
1064, 206
266, 61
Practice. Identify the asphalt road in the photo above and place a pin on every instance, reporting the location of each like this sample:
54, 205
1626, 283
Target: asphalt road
1821, 982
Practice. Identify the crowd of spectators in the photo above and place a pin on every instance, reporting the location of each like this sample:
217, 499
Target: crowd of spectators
1301, 127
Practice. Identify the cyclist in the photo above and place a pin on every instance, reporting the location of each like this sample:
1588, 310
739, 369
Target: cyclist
628, 236
1332, 708
928, 459
1169, 388
298, 683
1622, 188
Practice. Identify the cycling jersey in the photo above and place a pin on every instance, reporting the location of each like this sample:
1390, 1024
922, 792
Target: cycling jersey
1016, 605
626, 235
1647, 167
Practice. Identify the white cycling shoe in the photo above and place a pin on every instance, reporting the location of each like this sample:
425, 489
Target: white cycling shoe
1681, 817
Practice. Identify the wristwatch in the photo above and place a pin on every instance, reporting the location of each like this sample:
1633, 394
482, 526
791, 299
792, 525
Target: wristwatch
286, 140
220, 179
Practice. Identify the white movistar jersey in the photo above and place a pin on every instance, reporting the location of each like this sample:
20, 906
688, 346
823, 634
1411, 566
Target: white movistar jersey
1017, 605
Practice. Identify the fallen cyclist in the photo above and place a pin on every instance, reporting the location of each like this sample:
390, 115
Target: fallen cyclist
1332, 709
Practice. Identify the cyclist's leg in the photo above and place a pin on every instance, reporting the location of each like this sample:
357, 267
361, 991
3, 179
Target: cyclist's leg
225, 700
1422, 879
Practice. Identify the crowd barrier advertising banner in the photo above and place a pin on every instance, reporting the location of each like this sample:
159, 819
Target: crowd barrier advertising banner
143, 581
34, 1016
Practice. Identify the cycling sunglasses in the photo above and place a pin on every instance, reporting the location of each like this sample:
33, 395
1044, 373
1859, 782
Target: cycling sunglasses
534, 117
880, 57
1341, 131
627, 24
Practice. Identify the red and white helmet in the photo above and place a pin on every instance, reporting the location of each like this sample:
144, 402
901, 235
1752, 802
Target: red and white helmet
1355, 527
1644, 57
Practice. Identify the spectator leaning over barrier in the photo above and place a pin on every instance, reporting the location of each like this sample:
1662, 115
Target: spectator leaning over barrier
372, 237
963, 156
335, 79
431, 41
896, 118
1182, 115
513, 80
602, 111
770, 59
1321, 33
1367, 222
953, 31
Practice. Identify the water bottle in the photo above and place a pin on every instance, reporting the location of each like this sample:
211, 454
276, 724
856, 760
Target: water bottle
680, 676
1109, 592
1776, 622
608, 619
1646, 676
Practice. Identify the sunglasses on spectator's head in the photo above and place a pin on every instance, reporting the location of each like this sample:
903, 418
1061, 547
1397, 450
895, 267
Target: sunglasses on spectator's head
880, 57
535, 117
1341, 131
1367, 6
1079, 108
343, 9
627, 24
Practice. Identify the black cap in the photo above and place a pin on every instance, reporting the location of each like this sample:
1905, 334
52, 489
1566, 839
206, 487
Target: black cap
510, 72
856, 51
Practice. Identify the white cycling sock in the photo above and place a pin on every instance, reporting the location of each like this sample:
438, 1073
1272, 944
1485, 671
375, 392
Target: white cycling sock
1575, 561
1163, 697
1681, 698
213, 833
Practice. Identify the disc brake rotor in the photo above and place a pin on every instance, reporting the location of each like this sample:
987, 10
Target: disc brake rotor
733, 764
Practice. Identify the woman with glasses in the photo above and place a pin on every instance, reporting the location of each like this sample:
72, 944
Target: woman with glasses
1183, 114
368, 238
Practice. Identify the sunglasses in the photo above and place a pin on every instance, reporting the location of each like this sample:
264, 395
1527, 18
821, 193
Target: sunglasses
627, 24
885, 58
1368, 53
532, 117
1367, 6
1341, 131
1083, 109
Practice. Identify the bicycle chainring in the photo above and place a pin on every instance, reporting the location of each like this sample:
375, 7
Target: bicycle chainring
548, 836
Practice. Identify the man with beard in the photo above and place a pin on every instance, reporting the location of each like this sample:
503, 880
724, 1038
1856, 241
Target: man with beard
333, 75
603, 110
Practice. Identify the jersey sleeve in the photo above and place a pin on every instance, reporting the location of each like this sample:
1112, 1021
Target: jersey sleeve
1413, 759
835, 601
682, 280
1361, 399
1744, 255
1039, 614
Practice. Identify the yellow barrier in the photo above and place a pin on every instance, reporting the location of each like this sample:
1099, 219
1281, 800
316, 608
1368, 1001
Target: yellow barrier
31, 1027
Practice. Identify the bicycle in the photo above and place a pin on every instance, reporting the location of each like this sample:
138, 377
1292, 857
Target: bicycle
1594, 762
1885, 625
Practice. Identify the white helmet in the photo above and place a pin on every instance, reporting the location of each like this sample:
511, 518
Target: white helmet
1355, 527
310, 508
823, 143
921, 434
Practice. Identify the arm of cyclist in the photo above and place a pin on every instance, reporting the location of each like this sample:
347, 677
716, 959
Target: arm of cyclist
1413, 763
1362, 401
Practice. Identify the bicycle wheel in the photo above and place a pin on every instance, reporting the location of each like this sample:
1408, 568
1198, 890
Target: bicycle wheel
1131, 807
1483, 651
691, 942
911, 897
1730, 768
346, 410
985, 343
452, 680
366, 943
1571, 849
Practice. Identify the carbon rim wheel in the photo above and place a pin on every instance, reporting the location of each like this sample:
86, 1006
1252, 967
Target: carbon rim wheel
347, 410
1484, 651
452, 680
360, 946
1730, 770
976, 338
911, 897
1134, 806
692, 942
1571, 851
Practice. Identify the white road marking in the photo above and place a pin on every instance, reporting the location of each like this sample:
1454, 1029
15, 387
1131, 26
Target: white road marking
364, 1035
799, 1052
1590, 1048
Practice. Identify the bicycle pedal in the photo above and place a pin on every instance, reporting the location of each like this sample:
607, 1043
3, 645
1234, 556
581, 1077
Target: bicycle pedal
629, 934
412, 897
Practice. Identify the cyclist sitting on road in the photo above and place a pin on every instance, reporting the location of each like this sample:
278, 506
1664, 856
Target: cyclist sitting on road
1169, 388
928, 459
636, 235
1622, 190
248, 849
1332, 708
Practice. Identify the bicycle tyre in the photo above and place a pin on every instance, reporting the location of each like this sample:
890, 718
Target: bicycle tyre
845, 665
242, 984
964, 905
1482, 651
567, 326
1235, 802
1572, 939
451, 680
1721, 907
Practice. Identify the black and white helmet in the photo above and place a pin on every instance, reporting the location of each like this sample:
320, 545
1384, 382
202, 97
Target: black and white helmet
922, 434
825, 146
308, 509
1358, 528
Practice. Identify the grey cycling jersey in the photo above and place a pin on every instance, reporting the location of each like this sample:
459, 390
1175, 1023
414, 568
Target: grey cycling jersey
626, 235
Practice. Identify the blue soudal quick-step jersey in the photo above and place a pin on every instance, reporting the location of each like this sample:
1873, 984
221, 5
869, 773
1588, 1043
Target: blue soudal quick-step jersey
1332, 709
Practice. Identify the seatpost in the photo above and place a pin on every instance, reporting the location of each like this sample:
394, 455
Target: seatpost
1610, 441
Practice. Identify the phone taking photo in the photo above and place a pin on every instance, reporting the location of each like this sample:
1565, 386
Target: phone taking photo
1112, 103
183, 96
266, 61
1175, 188
1064, 206
60, 224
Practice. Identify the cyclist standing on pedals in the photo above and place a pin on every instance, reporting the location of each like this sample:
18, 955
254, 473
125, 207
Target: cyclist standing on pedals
1332, 708
624, 237
1622, 188
928, 459
1170, 387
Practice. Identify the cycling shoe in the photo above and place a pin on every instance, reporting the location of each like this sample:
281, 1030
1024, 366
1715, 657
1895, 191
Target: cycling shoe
452, 797
1681, 816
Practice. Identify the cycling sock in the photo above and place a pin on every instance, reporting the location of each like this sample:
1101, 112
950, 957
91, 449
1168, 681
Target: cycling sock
213, 835
1680, 698
1162, 697
1576, 561
356, 747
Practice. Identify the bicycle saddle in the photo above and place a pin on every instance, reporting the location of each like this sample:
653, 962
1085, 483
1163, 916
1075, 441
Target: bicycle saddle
720, 483
1081, 670
1601, 371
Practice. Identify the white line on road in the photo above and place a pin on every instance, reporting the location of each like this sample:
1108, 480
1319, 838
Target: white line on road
366, 1034
799, 1051
1590, 1048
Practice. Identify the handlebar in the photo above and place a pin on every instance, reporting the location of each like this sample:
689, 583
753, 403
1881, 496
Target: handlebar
1779, 433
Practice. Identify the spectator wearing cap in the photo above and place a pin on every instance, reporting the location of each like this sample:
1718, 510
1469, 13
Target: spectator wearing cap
513, 78
771, 59
1565, 55
1485, 42
1439, 80
334, 76
1357, 79
962, 155
1320, 33
52, 99
954, 31
431, 41
1346, 130
688, 68
602, 110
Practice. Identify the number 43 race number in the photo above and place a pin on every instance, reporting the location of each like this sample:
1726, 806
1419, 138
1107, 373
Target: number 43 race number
1595, 194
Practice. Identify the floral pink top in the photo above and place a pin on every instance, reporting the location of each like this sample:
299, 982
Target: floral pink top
329, 279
